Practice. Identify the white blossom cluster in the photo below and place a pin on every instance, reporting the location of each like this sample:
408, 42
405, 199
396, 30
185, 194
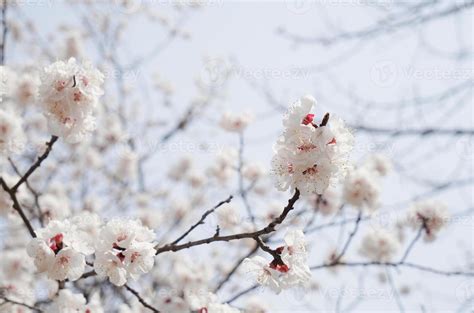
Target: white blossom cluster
236, 123
430, 214
69, 93
12, 137
379, 245
292, 273
123, 249
60, 249
69, 302
362, 185
308, 156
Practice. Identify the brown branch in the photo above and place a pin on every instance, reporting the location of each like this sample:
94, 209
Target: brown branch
7, 300
395, 265
266, 230
349, 240
240, 294
16, 205
4, 32
234, 269
141, 300
203, 217
414, 132
35, 194
41, 158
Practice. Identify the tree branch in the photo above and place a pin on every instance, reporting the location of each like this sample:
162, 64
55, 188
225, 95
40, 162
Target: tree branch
266, 230
49, 147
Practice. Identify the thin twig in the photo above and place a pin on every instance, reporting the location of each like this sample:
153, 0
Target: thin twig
412, 243
266, 230
141, 300
21, 304
4, 32
16, 205
240, 294
349, 240
203, 217
41, 158
393, 264
234, 269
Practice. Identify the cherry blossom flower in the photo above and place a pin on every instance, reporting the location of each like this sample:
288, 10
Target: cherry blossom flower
53, 208
307, 156
292, 273
68, 302
379, 245
328, 203
379, 164
429, 214
58, 251
362, 189
12, 137
69, 93
125, 250
208, 303
235, 123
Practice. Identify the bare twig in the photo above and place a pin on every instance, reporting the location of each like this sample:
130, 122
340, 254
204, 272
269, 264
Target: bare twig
243, 292
349, 240
7, 300
41, 158
395, 264
266, 230
4, 32
17, 207
141, 300
412, 243
203, 217
234, 269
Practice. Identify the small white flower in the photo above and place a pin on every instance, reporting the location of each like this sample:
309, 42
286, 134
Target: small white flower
139, 257
235, 122
109, 264
59, 251
68, 302
127, 166
292, 273
263, 274
379, 245
379, 164
53, 208
12, 137
430, 214
362, 189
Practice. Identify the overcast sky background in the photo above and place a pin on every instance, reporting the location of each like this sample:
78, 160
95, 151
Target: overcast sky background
385, 69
